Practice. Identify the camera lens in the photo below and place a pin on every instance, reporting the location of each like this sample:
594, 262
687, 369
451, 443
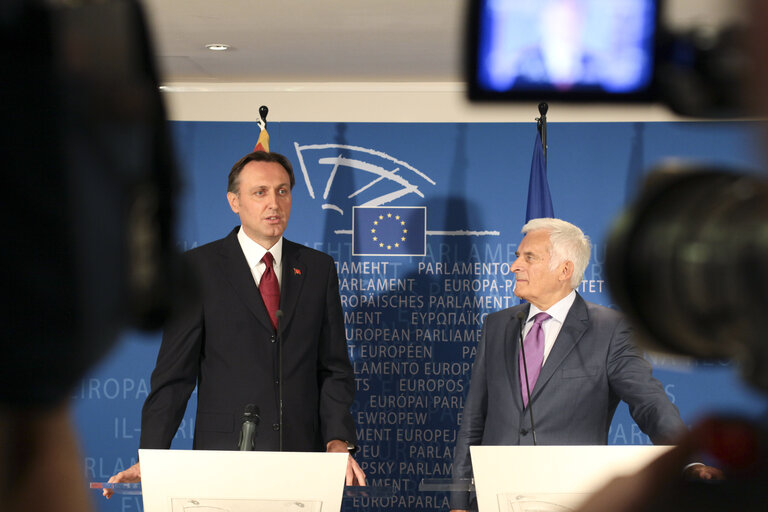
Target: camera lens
687, 262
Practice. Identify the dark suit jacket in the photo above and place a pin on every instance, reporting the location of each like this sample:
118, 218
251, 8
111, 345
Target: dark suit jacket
224, 343
592, 366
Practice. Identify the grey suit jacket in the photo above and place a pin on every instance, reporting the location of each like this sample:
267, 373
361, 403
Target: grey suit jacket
592, 366
224, 343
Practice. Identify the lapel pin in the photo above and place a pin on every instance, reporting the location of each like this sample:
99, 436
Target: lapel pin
297, 271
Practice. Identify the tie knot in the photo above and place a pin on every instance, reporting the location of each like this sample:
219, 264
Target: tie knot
267, 259
541, 317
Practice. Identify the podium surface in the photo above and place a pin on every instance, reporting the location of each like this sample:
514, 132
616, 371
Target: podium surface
550, 478
202, 480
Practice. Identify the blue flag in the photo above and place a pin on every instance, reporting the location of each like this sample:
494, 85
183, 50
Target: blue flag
392, 231
539, 199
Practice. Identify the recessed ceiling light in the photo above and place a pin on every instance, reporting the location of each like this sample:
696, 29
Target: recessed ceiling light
218, 47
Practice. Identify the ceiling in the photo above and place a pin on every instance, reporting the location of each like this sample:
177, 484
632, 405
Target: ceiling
308, 40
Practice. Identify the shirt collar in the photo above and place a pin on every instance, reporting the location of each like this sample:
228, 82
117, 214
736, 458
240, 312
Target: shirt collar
558, 311
254, 251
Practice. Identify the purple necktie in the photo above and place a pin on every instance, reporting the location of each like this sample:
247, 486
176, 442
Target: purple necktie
534, 354
270, 289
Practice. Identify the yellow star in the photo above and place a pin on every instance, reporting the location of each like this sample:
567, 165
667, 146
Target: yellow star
375, 223
403, 239
389, 215
375, 238
397, 217
381, 217
405, 231
381, 245
373, 230
397, 245
402, 223
389, 247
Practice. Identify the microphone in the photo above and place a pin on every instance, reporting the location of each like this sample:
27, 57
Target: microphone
248, 431
279, 317
521, 320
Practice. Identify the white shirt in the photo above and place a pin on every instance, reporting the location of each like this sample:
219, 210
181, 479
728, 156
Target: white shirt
254, 252
551, 326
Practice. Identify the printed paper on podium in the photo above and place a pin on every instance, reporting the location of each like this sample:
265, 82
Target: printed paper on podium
233, 481
550, 478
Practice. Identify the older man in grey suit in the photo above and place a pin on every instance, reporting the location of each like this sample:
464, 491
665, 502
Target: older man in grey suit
580, 361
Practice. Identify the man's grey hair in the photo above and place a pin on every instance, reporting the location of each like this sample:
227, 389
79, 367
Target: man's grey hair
568, 243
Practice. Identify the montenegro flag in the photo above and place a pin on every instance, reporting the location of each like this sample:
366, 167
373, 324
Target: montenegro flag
263, 143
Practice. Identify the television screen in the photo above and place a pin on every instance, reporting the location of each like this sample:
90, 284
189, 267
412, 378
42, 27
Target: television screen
562, 49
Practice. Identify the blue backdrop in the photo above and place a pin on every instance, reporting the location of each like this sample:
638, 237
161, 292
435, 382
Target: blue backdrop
413, 321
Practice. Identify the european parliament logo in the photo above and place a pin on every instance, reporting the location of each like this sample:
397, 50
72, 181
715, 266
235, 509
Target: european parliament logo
340, 176
389, 231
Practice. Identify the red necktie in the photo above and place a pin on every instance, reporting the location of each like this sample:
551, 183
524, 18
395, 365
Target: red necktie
270, 289
534, 354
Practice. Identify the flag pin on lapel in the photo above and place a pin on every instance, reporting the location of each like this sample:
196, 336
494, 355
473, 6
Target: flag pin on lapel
296, 271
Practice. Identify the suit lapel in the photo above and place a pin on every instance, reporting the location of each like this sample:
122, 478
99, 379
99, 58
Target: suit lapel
234, 267
512, 351
294, 275
574, 327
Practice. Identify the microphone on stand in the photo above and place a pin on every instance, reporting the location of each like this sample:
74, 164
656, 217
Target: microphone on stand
521, 319
279, 316
248, 430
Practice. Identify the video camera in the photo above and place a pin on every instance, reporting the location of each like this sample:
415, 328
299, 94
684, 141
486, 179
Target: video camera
606, 51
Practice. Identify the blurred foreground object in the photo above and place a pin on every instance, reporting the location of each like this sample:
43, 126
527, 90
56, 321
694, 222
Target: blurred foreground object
89, 182
686, 263
737, 446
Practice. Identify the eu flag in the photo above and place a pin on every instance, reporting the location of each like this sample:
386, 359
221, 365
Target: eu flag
392, 231
539, 199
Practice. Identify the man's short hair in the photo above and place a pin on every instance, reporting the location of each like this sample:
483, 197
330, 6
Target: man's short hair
257, 156
568, 243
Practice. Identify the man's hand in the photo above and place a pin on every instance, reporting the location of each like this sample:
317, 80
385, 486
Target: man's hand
703, 472
355, 475
131, 475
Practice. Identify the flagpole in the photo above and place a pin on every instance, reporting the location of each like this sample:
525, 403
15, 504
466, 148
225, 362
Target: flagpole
541, 125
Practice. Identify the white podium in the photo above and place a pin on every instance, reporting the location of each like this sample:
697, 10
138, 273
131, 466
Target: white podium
230, 481
550, 478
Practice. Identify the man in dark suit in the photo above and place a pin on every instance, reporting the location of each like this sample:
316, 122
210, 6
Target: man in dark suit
585, 357
226, 342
